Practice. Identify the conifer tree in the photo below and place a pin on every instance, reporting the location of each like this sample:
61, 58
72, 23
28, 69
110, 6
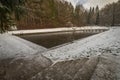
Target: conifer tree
10, 10
97, 16
113, 14
89, 16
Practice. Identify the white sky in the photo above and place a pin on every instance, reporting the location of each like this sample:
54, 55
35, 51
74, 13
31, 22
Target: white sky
91, 3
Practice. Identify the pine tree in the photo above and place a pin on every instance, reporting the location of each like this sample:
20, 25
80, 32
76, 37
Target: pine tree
10, 10
89, 16
97, 16
113, 14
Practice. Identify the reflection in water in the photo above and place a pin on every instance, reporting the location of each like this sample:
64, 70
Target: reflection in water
54, 39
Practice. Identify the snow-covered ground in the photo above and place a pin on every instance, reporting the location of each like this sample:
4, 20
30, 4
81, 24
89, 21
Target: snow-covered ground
58, 30
106, 42
12, 46
20, 59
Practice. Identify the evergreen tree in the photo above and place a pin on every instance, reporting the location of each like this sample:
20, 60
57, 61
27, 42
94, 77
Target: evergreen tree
89, 16
10, 10
97, 16
79, 16
110, 14
93, 16
113, 14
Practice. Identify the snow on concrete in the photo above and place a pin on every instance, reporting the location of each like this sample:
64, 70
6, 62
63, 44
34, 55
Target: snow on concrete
103, 67
12, 46
106, 42
108, 67
32, 45
58, 30
20, 59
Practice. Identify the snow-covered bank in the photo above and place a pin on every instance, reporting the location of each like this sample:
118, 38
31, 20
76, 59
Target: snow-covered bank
106, 42
13, 46
20, 59
79, 60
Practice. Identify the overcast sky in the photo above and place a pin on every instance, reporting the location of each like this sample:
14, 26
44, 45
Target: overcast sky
92, 3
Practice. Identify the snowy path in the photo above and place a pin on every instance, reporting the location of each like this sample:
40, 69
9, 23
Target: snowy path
106, 42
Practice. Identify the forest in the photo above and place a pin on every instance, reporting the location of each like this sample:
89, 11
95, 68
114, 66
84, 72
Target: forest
59, 13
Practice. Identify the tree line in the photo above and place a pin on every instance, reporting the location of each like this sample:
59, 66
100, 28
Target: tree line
10, 11
46, 14
56, 13
110, 14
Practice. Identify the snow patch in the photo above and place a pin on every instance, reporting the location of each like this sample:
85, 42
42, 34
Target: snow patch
12, 46
106, 42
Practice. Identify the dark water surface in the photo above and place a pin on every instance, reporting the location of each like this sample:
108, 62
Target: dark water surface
54, 39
